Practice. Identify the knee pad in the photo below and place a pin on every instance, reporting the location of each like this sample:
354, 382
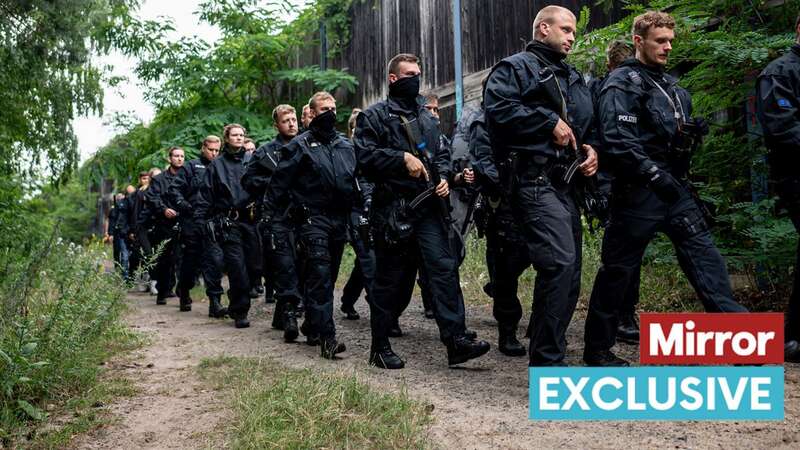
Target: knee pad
689, 224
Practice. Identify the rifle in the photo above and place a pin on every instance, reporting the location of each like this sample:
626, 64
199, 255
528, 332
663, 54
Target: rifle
420, 148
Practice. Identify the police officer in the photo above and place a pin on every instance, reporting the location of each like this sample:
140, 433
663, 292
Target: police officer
230, 214
358, 234
397, 143
165, 232
318, 173
628, 327
648, 135
277, 237
115, 232
305, 118
539, 114
256, 264
198, 252
778, 108
138, 242
506, 252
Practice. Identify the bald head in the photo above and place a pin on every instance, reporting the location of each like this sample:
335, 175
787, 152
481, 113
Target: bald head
556, 27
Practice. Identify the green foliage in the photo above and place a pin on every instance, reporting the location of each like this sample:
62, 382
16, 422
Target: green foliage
720, 47
59, 315
48, 78
199, 87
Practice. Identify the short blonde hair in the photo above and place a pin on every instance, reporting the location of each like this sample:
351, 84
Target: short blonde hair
547, 15
281, 110
211, 139
651, 19
318, 97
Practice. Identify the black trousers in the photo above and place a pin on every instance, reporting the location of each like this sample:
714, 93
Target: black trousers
788, 190
551, 226
238, 252
140, 250
199, 255
396, 267
323, 239
165, 241
792, 329
255, 263
363, 273
280, 258
636, 216
506, 259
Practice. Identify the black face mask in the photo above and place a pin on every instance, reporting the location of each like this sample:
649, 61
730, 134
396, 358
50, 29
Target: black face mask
324, 126
407, 87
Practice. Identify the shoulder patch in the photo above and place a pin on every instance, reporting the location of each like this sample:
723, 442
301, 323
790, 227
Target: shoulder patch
635, 77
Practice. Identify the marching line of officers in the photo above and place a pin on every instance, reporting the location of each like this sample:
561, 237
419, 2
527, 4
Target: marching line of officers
285, 210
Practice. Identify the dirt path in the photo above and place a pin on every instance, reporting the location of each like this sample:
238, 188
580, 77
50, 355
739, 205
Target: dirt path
483, 405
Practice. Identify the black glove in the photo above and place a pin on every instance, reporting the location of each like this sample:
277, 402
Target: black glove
697, 126
665, 186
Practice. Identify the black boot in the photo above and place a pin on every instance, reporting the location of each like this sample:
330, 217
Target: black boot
350, 313
603, 358
215, 308
508, 343
290, 329
329, 348
429, 314
382, 355
461, 349
277, 318
628, 329
241, 322
161, 300
312, 338
185, 300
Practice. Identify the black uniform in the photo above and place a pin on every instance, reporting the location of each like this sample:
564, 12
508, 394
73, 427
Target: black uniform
778, 108
641, 109
165, 232
230, 208
317, 172
278, 237
363, 273
117, 229
506, 253
627, 310
520, 100
402, 234
198, 252
138, 234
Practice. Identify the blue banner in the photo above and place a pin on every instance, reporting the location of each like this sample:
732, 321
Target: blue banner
656, 393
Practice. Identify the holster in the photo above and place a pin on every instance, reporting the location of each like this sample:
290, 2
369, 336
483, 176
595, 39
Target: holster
398, 227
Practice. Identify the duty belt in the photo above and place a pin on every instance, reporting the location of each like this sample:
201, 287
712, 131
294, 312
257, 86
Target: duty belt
247, 214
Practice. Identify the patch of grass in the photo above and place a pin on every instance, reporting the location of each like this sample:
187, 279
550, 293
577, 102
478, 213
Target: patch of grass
282, 408
81, 413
